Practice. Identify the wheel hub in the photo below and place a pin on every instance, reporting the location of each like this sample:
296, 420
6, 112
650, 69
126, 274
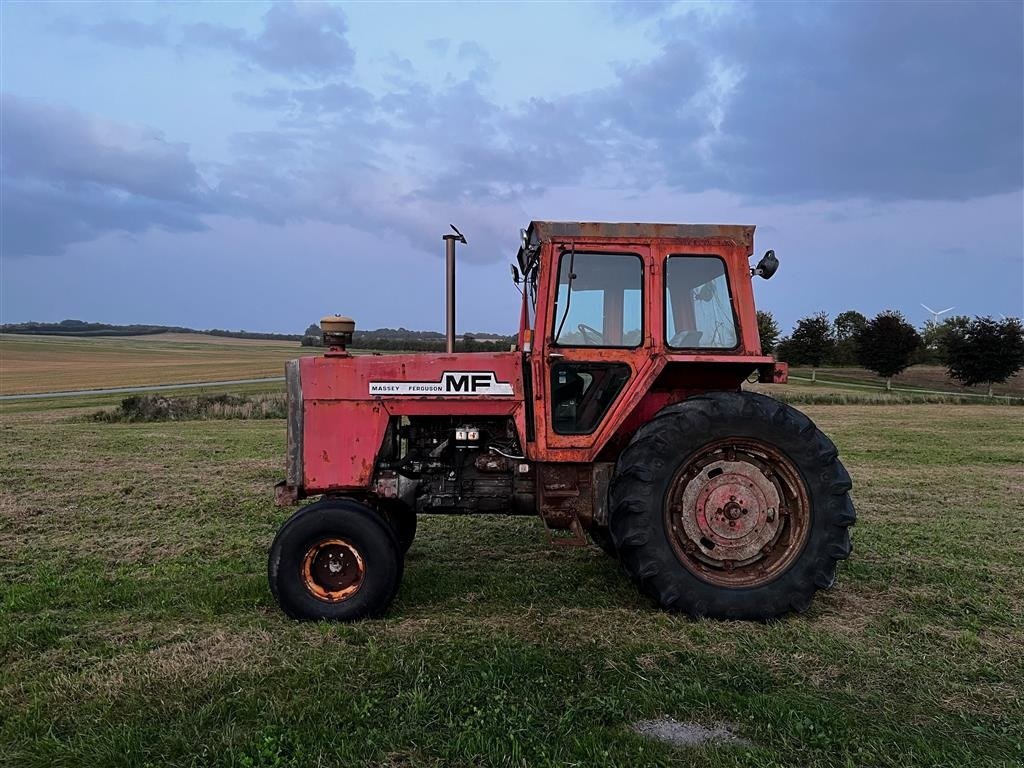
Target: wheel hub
733, 502
730, 516
333, 570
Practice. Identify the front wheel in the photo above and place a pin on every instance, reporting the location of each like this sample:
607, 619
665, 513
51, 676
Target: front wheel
335, 559
731, 505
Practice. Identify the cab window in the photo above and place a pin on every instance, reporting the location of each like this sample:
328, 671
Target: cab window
698, 304
599, 301
582, 393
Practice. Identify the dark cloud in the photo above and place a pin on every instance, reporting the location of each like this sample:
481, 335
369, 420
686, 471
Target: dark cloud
70, 178
877, 100
305, 39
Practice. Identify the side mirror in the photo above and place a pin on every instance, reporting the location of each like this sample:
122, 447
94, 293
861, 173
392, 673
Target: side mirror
767, 266
515, 274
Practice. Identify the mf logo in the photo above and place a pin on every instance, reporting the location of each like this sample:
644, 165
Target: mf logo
468, 382
451, 383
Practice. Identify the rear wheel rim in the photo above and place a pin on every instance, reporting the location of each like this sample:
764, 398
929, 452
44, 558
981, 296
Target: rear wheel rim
737, 513
333, 570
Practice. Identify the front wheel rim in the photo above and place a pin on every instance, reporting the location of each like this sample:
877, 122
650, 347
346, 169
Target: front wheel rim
333, 570
737, 513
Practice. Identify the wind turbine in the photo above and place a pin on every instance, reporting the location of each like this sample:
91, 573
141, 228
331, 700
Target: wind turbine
935, 314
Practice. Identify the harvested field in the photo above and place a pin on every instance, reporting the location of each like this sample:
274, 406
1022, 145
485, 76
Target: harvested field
51, 363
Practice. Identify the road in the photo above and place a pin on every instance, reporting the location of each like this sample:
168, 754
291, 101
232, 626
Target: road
133, 390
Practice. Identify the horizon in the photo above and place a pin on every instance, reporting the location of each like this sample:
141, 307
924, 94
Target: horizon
262, 165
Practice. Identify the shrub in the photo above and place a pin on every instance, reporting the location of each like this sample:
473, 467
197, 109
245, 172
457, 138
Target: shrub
149, 407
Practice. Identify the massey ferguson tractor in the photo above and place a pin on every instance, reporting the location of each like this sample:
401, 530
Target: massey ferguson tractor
619, 414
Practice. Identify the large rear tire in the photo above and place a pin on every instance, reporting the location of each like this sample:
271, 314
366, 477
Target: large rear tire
602, 537
731, 505
335, 559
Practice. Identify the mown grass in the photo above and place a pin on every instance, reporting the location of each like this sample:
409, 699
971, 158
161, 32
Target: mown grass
136, 627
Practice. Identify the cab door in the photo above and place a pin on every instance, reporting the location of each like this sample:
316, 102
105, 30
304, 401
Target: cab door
596, 345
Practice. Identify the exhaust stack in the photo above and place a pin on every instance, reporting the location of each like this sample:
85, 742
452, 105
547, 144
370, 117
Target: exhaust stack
449, 253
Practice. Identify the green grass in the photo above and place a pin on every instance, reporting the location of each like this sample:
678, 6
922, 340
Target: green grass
136, 627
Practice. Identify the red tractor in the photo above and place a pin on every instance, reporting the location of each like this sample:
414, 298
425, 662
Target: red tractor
619, 413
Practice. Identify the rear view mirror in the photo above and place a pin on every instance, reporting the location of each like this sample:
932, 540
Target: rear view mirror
767, 266
515, 274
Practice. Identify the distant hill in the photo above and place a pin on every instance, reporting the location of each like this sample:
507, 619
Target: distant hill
381, 338
82, 328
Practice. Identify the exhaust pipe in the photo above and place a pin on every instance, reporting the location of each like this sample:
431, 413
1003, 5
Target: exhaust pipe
449, 253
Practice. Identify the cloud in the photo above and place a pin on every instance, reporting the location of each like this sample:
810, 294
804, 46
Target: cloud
631, 10
438, 45
125, 32
482, 64
305, 39
789, 103
883, 101
69, 177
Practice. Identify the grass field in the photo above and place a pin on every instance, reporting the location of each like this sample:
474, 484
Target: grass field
52, 363
136, 627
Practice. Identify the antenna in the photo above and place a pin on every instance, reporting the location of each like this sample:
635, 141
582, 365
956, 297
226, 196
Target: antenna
935, 313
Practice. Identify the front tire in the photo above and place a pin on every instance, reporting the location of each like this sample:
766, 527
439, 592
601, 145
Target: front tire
731, 505
403, 524
335, 559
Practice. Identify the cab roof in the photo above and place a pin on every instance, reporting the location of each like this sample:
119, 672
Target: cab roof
545, 231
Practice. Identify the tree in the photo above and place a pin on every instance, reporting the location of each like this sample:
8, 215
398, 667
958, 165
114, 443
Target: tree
312, 337
935, 336
984, 351
811, 342
846, 326
886, 344
768, 330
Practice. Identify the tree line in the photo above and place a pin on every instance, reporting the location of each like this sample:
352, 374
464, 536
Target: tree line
977, 350
388, 340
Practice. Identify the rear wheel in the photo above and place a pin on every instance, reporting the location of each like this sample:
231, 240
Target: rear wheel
731, 505
335, 559
603, 538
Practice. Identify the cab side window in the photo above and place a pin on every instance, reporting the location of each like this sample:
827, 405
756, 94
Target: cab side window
698, 304
582, 393
599, 301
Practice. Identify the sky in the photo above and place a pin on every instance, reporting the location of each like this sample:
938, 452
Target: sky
254, 166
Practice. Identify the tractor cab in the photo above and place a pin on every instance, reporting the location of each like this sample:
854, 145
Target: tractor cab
637, 314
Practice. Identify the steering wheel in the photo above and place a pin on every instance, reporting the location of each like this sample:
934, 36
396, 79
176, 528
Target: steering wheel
591, 336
